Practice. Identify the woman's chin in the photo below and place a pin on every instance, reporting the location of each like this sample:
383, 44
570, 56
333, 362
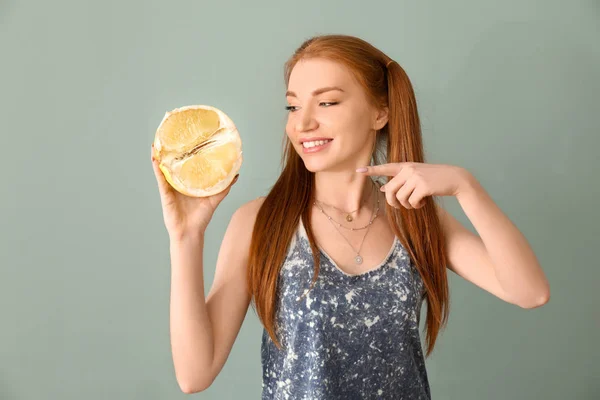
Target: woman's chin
314, 166
323, 166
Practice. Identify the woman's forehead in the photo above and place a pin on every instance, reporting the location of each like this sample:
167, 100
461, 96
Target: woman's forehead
314, 74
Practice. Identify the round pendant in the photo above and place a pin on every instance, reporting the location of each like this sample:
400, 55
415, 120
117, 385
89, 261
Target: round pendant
358, 259
349, 218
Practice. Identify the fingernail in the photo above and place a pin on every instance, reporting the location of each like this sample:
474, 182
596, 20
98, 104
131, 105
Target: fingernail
382, 188
363, 169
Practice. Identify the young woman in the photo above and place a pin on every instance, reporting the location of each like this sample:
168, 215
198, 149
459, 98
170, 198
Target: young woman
337, 265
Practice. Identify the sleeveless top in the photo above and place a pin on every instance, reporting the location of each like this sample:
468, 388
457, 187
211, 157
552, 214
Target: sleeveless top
349, 337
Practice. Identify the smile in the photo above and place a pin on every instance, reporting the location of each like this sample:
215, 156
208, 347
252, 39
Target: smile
312, 147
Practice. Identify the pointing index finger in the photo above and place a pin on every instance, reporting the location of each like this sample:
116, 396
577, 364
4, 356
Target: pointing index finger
391, 169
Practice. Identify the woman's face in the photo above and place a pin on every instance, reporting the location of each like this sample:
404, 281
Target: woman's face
324, 101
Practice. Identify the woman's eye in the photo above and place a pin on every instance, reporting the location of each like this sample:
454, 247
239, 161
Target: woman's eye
326, 104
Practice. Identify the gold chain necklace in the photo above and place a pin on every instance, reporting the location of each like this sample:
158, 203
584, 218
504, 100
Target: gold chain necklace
349, 228
348, 217
358, 259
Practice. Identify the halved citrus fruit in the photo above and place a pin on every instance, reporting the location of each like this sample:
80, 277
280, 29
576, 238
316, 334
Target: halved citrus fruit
199, 150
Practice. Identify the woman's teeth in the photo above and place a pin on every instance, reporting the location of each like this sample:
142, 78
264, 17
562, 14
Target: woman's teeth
317, 143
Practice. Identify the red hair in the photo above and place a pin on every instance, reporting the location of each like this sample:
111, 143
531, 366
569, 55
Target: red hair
386, 84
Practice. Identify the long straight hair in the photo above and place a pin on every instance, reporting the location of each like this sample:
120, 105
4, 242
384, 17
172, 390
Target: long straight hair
385, 84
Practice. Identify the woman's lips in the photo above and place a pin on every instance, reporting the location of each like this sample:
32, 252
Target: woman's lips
314, 149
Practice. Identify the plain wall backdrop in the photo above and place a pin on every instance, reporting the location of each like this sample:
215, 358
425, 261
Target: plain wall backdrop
507, 89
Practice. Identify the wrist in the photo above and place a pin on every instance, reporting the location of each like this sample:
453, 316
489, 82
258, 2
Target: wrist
468, 185
184, 238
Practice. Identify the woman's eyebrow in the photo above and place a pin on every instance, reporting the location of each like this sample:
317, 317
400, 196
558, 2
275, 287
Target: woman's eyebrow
317, 91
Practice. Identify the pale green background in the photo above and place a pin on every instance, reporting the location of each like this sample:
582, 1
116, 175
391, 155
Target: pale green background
507, 89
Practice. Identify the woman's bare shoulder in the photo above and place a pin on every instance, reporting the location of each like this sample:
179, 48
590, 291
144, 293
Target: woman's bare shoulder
250, 209
245, 216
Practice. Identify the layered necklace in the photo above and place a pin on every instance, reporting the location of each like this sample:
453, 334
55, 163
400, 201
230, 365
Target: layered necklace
358, 259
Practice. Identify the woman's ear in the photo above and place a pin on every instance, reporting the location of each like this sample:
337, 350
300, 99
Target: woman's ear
381, 119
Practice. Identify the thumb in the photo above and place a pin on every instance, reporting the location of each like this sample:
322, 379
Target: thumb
225, 192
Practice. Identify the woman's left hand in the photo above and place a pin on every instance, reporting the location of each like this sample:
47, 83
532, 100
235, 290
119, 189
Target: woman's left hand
412, 181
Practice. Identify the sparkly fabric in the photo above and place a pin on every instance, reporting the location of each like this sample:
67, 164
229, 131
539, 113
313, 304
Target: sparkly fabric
351, 336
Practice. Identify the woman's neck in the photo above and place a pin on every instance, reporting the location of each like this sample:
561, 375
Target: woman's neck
346, 194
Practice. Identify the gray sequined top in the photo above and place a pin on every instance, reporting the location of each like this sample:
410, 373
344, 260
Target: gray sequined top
351, 336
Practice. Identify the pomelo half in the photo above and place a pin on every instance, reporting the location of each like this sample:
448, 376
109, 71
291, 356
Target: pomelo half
199, 150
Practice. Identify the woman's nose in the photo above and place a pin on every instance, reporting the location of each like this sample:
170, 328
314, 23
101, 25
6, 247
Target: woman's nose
305, 121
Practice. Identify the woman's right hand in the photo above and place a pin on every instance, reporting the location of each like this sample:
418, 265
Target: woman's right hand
185, 215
